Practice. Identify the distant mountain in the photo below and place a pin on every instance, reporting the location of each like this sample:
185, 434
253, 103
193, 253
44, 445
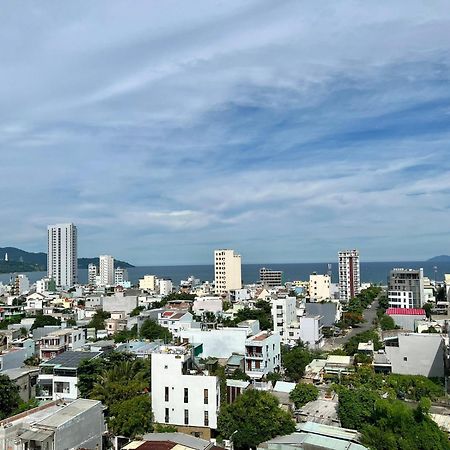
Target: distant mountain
22, 261
440, 258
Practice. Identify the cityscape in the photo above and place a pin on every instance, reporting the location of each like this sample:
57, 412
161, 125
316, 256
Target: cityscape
225, 225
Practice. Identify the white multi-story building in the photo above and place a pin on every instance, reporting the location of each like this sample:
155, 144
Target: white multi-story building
92, 274
175, 321
319, 287
283, 315
349, 275
227, 271
183, 395
262, 354
62, 257
120, 276
60, 341
106, 272
310, 328
165, 287
45, 285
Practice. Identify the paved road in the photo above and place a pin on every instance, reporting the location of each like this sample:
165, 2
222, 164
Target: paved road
368, 314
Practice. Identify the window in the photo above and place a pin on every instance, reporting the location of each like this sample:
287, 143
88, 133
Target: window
186, 395
205, 396
186, 417
166, 393
166, 416
206, 419
405, 358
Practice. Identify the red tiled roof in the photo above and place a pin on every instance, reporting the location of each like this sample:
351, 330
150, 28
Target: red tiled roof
406, 311
156, 445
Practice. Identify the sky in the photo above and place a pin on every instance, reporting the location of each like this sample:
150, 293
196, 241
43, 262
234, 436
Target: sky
284, 130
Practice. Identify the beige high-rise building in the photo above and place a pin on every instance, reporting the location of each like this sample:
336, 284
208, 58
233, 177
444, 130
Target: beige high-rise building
319, 287
106, 271
148, 283
227, 270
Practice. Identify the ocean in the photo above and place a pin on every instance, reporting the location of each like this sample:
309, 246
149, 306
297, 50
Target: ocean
375, 272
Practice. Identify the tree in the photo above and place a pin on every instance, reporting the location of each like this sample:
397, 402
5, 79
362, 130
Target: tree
42, 320
356, 406
387, 323
98, 320
152, 331
351, 347
136, 311
295, 360
253, 418
303, 393
126, 335
9, 397
132, 417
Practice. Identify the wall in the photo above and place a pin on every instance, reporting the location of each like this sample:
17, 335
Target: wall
119, 302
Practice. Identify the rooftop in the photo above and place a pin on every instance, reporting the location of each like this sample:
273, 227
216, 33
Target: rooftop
71, 359
406, 311
179, 438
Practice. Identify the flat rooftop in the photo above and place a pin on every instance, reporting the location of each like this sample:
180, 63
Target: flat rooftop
71, 359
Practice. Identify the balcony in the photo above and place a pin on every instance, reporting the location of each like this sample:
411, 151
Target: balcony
254, 355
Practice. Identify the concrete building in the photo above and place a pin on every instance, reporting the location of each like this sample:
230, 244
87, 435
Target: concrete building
25, 379
21, 285
406, 318
416, 354
171, 441
311, 331
106, 271
349, 274
207, 304
117, 322
221, 343
182, 395
283, 315
319, 287
330, 311
54, 426
406, 288
60, 341
148, 283
262, 354
270, 278
45, 285
165, 287
176, 321
92, 274
120, 302
58, 377
121, 277
12, 358
227, 271
62, 256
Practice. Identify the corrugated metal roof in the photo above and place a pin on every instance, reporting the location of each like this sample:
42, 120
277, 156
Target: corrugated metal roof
406, 311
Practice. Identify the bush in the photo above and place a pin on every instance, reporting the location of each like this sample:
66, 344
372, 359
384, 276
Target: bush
303, 393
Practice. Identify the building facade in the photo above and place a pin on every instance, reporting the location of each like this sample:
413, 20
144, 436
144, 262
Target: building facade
62, 256
120, 276
227, 271
319, 287
406, 288
262, 354
270, 278
284, 313
349, 275
182, 394
106, 272
92, 274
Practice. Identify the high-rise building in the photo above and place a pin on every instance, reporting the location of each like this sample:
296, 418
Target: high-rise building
106, 272
349, 275
120, 276
62, 257
270, 278
92, 273
227, 271
319, 287
406, 288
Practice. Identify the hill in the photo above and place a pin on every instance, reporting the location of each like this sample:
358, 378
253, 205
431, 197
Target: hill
23, 261
440, 258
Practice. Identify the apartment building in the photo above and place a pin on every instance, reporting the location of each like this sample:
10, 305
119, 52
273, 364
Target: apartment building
175, 321
92, 274
406, 288
270, 278
60, 341
284, 313
148, 283
349, 275
121, 277
310, 328
319, 287
106, 271
227, 271
182, 394
262, 354
62, 256
165, 287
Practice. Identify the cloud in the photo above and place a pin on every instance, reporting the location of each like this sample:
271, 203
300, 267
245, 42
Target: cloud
286, 131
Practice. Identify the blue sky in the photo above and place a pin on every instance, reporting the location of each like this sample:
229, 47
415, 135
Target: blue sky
285, 130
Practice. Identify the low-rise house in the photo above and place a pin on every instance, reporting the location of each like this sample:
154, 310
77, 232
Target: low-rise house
235, 388
262, 354
339, 365
203, 305
60, 341
235, 362
406, 318
117, 322
176, 321
58, 377
169, 441
182, 394
26, 380
56, 425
